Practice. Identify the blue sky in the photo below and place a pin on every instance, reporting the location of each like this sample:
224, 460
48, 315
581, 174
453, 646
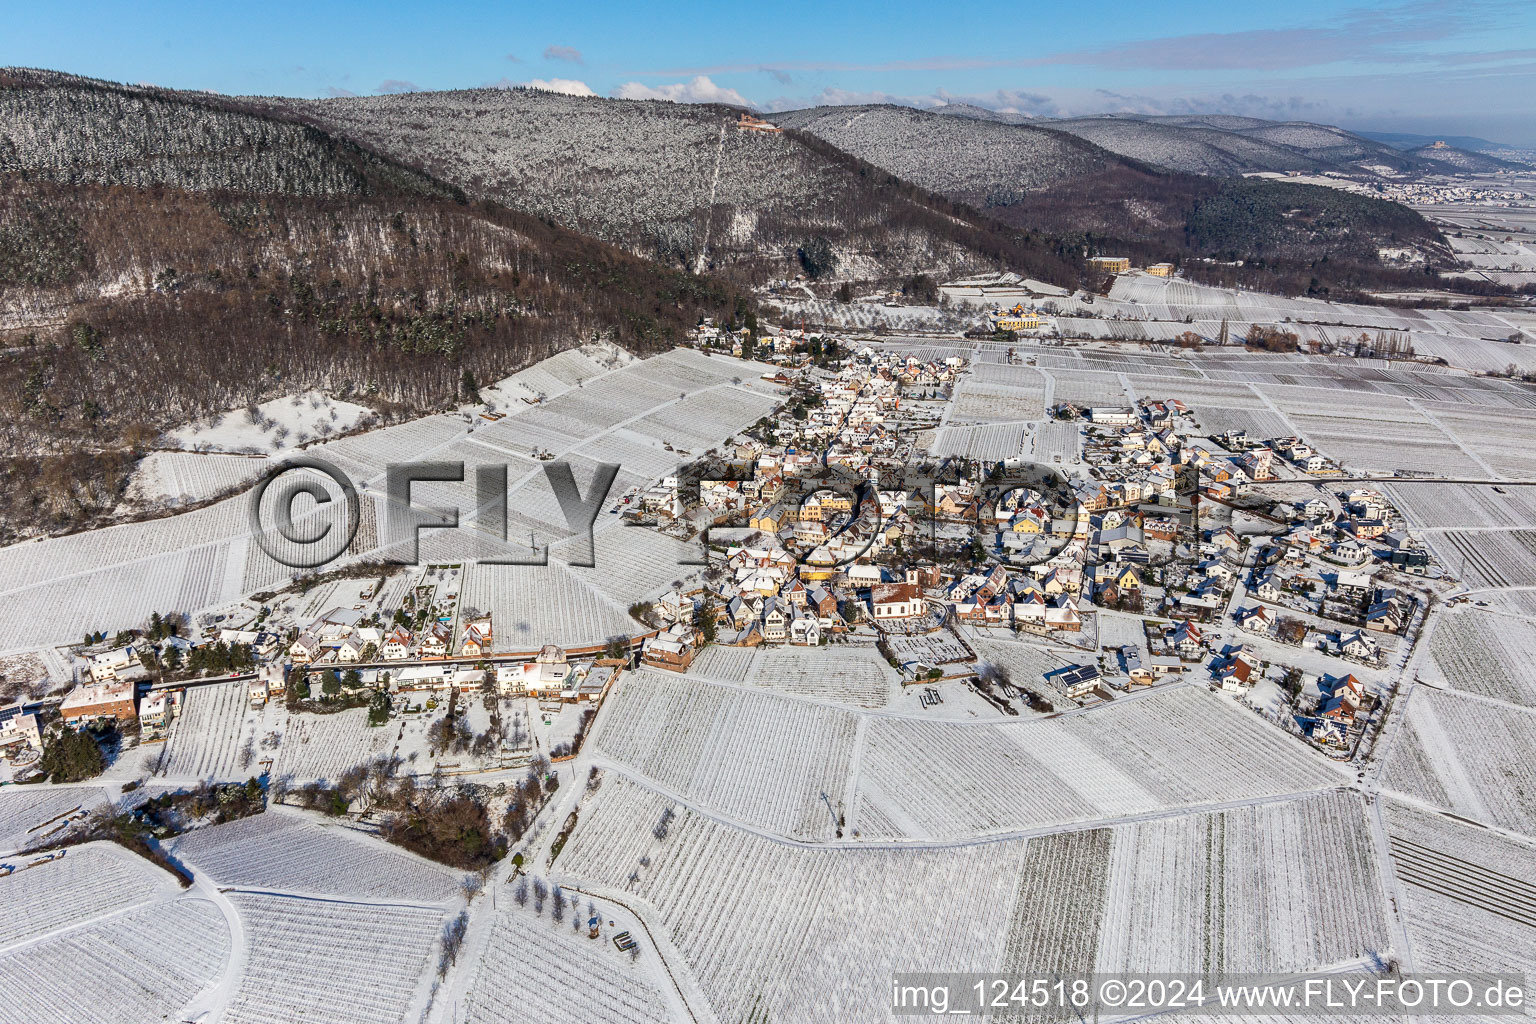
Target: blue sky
1429, 66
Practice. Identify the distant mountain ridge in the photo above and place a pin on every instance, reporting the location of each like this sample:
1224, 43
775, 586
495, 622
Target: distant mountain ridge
1216, 144
1407, 140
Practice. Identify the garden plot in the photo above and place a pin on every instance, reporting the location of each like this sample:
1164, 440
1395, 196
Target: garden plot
1276, 887
1468, 755
312, 959
324, 746
1486, 653
988, 443
775, 932
30, 813
1487, 558
514, 977
87, 882
854, 676
537, 605
205, 740
1179, 748
287, 850
993, 403
1466, 895
756, 757
190, 476
143, 965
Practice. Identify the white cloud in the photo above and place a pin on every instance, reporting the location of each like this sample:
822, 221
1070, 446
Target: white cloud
392, 86
566, 53
698, 89
569, 86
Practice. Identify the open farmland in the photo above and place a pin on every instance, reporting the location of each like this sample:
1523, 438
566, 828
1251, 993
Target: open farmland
1469, 755
1173, 749
1483, 652
285, 850
142, 965
756, 757
1501, 438
793, 933
372, 971
1463, 506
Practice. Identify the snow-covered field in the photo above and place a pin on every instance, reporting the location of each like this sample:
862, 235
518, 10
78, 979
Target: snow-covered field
857, 677
1468, 903
1174, 748
29, 813
787, 933
209, 739
285, 850
311, 959
1271, 887
807, 934
88, 882
1483, 652
325, 746
755, 757
190, 476
1469, 755
141, 965
535, 970
278, 425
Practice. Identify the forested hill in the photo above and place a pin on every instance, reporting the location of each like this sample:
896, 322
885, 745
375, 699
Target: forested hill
163, 258
681, 183
1290, 238
78, 131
